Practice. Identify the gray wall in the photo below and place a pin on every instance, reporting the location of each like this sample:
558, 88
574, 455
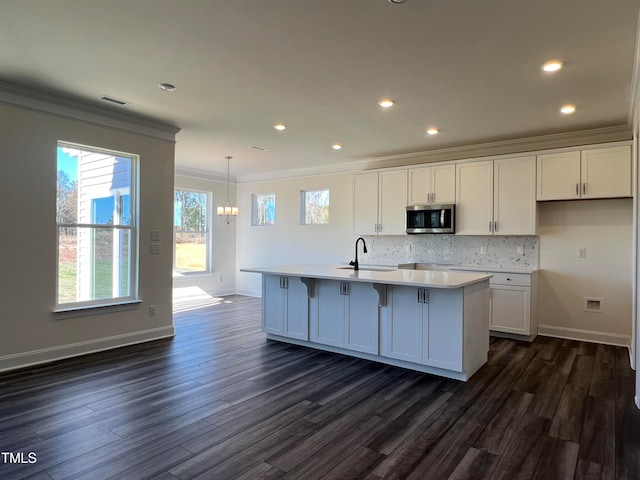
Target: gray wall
31, 333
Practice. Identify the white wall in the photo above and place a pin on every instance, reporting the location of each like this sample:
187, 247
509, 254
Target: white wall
287, 241
222, 279
31, 333
605, 229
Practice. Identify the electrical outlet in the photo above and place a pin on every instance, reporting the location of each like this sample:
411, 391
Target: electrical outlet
520, 249
483, 249
582, 252
407, 248
152, 310
155, 249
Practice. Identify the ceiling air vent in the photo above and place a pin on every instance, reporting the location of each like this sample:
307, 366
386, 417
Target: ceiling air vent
106, 98
260, 149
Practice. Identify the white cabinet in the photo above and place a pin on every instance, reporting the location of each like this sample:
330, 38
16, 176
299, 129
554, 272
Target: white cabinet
379, 202
514, 304
496, 197
285, 306
345, 315
432, 185
593, 173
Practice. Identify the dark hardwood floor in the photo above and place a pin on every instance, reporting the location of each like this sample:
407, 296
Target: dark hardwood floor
220, 402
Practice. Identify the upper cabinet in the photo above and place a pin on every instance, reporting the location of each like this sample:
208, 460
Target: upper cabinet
379, 203
594, 173
432, 185
496, 197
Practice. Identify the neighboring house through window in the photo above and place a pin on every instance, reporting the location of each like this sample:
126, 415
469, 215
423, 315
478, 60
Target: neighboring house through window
97, 226
192, 238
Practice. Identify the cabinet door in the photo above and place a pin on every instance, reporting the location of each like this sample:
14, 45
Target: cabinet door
443, 184
403, 328
361, 323
558, 176
419, 186
365, 203
328, 327
393, 202
474, 198
272, 305
514, 202
296, 324
510, 309
443, 322
606, 172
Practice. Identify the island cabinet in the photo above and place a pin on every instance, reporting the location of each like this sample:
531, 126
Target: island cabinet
285, 306
585, 174
424, 326
496, 197
345, 315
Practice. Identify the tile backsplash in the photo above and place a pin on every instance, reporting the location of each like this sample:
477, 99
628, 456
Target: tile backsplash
454, 250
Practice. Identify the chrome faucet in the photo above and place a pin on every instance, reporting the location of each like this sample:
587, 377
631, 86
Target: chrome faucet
354, 263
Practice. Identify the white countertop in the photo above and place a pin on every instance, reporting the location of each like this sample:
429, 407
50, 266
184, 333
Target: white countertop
420, 278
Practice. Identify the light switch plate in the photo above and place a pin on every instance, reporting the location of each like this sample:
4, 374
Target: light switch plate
155, 248
155, 235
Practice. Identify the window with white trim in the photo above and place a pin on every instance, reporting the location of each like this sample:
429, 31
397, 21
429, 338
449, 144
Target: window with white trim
96, 216
192, 236
263, 209
314, 207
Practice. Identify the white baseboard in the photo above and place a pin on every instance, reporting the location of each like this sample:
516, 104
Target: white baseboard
45, 355
585, 335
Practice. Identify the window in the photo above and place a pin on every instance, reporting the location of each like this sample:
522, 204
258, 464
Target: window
191, 231
96, 223
263, 210
314, 207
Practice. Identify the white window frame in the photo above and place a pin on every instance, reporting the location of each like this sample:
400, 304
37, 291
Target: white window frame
133, 264
209, 223
254, 209
303, 205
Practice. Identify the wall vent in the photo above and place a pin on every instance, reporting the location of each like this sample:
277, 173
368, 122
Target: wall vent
594, 304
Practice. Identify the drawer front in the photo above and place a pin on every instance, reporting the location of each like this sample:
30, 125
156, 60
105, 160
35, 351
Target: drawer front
520, 279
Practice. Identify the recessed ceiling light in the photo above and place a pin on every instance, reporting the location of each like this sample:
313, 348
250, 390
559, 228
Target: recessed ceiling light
167, 87
280, 126
432, 131
552, 66
336, 146
386, 103
567, 109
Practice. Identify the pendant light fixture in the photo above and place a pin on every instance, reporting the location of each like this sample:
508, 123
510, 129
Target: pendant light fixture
227, 213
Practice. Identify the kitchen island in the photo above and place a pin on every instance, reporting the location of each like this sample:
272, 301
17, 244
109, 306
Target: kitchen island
431, 321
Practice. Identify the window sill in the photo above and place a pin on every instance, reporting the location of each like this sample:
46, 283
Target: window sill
83, 311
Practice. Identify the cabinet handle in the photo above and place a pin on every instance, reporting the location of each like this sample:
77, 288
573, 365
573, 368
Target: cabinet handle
577, 189
284, 282
433, 198
495, 226
584, 188
425, 295
490, 227
379, 227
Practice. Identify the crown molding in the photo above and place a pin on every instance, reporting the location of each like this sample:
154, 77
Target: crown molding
204, 174
55, 105
616, 133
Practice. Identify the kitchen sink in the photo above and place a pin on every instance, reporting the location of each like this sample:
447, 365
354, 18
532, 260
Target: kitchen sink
371, 269
424, 266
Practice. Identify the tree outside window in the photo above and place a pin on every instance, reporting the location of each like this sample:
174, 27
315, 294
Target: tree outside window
314, 207
191, 231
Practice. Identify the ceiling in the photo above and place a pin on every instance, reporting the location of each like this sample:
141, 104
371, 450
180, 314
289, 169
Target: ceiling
470, 68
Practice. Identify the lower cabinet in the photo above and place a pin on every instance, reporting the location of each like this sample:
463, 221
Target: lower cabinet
424, 326
345, 315
513, 304
285, 308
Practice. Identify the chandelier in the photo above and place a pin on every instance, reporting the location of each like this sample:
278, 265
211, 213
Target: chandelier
227, 213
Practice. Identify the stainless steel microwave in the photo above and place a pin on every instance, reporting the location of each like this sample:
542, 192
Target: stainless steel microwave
431, 219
